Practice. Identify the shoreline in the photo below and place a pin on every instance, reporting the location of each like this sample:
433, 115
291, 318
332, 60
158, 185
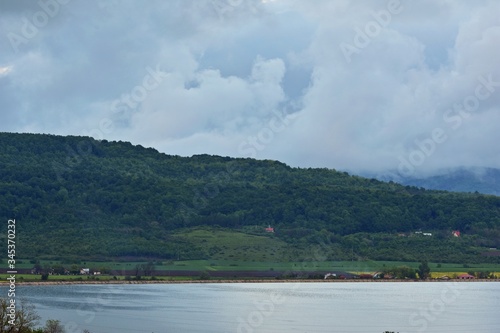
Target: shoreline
52, 283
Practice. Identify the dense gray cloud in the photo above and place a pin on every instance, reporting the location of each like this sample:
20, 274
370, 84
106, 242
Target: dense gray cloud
355, 85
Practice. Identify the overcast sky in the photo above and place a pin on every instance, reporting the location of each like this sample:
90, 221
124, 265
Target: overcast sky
362, 85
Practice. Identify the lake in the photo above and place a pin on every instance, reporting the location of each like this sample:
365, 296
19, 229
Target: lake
270, 307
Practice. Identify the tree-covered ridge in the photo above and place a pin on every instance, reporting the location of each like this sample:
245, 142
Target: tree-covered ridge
82, 197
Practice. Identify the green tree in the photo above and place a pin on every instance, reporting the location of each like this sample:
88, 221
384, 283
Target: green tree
402, 272
53, 326
58, 269
37, 267
423, 270
74, 269
148, 268
25, 318
138, 271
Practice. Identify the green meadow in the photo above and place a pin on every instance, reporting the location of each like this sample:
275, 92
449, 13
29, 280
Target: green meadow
234, 265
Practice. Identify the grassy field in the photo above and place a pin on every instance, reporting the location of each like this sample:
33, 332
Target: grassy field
119, 270
252, 250
235, 265
237, 246
108, 278
79, 278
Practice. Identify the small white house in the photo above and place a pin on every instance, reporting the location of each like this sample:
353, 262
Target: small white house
427, 234
85, 271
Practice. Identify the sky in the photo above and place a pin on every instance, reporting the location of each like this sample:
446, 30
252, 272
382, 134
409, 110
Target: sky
366, 86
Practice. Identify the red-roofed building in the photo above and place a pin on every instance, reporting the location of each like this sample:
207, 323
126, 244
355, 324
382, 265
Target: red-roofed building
269, 229
365, 276
466, 277
455, 233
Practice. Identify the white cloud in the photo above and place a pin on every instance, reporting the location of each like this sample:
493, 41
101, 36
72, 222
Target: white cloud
232, 65
181, 111
4, 71
365, 114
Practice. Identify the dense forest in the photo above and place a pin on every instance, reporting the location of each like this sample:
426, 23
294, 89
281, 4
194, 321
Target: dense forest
82, 198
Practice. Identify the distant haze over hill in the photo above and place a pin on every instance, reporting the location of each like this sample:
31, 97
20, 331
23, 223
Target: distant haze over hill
482, 180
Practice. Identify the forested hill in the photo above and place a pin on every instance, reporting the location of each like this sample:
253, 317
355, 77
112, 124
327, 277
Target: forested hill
75, 196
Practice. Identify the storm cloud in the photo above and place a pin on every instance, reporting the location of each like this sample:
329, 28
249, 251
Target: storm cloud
362, 86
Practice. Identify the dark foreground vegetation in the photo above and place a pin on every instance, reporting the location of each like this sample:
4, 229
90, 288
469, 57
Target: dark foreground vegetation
24, 319
76, 198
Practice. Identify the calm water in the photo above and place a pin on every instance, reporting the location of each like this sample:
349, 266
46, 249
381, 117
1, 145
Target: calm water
271, 307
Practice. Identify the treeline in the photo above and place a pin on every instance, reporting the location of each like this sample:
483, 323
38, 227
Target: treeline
75, 196
22, 318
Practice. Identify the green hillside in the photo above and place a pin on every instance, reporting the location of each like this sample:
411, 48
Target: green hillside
74, 197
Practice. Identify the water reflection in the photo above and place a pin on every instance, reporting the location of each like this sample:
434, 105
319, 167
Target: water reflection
264, 307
